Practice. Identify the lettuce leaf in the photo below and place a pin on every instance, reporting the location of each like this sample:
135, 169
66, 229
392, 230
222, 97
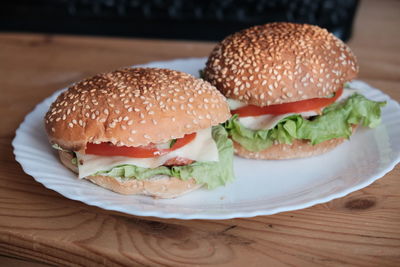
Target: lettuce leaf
335, 122
211, 173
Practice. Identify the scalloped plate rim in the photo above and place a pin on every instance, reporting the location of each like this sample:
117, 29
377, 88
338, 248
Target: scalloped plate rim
168, 215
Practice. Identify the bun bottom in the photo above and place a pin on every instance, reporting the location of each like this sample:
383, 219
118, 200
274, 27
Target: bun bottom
159, 186
298, 149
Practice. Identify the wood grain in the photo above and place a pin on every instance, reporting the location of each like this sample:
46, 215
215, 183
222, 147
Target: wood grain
38, 225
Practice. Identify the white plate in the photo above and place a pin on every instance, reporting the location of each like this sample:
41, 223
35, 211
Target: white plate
261, 187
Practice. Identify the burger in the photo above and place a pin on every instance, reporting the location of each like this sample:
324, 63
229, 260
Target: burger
143, 131
287, 86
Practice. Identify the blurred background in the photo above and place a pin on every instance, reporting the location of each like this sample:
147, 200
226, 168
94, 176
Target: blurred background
209, 20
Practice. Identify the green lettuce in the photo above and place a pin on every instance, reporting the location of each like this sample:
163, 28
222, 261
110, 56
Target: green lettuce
201, 73
334, 122
211, 173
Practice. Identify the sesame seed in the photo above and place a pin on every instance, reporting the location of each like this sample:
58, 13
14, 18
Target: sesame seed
272, 42
116, 89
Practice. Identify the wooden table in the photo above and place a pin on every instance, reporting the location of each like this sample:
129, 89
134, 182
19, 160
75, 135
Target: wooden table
40, 226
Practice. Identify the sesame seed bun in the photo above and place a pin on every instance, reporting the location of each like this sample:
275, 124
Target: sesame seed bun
279, 63
159, 186
133, 107
298, 149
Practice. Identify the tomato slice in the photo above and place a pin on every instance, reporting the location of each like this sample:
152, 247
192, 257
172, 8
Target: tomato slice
293, 107
149, 151
178, 161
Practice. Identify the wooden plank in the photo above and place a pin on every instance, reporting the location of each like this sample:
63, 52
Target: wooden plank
16, 262
38, 224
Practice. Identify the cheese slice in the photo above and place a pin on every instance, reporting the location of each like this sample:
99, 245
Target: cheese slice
266, 122
269, 121
202, 148
235, 104
347, 92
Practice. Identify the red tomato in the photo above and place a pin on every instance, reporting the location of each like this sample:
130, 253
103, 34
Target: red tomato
178, 161
149, 151
292, 107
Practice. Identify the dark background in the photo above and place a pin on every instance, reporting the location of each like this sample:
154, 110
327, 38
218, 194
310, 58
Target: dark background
171, 19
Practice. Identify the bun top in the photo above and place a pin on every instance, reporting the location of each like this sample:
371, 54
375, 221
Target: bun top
279, 63
133, 107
